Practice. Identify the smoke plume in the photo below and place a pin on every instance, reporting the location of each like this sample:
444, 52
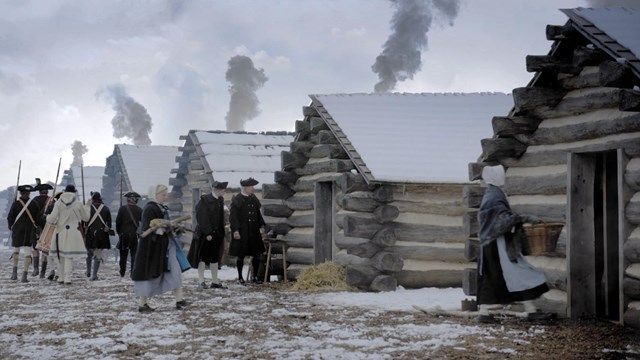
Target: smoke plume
245, 79
401, 54
78, 149
614, 3
131, 119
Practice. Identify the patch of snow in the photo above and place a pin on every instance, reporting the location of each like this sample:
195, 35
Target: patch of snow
399, 300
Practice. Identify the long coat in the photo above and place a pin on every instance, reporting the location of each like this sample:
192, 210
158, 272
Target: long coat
23, 230
210, 221
151, 256
97, 236
245, 217
67, 214
127, 222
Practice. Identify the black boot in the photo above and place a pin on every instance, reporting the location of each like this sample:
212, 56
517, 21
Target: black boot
43, 270
239, 265
89, 258
14, 273
96, 267
24, 277
36, 266
52, 276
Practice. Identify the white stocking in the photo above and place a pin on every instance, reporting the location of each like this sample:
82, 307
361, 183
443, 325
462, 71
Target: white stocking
214, 273
178, 293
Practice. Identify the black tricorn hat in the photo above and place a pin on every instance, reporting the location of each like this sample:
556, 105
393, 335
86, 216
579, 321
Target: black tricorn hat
70, 188
132, 194
221, 185
96, 195
25, 188
249, 182
42, 187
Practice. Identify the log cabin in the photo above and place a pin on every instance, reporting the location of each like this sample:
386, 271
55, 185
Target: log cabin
571, 149
223, 156
135, 168
375, 182
92, 179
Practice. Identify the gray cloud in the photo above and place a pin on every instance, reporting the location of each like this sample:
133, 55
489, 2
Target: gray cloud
131, 119
245, 80
78, 149
401, 55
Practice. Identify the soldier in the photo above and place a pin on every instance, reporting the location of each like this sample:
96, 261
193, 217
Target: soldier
23, 226
127, 222
68, 244
209, 234
97, 234
42, 200
247, 226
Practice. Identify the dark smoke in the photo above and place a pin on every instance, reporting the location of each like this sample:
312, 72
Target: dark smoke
245, 79
614, 3
131, 119
401, 55
78, 149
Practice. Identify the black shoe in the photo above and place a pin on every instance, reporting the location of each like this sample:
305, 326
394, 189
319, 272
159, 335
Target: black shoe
540, 316
486, 319
256, 281
181, 304
145, 308
121, 273
24, 277
52, 276
14, 273
241, 281
217, 286
203, 285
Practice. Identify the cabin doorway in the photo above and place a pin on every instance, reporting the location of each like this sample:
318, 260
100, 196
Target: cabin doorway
324, 220
595, 233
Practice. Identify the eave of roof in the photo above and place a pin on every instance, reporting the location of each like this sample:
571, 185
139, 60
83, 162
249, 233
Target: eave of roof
602, 40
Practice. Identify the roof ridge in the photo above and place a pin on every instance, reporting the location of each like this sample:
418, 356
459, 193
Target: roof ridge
272, 133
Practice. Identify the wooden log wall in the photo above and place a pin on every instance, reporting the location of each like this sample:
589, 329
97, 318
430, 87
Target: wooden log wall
384, 235
582, 102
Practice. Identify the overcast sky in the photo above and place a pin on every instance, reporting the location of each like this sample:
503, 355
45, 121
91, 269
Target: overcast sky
172, 57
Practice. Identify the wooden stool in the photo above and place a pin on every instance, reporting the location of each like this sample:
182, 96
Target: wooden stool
270, 244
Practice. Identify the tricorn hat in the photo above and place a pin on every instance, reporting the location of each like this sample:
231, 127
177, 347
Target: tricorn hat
132, 194
70, 188
25, 188
96, 195
221, 185
249, 182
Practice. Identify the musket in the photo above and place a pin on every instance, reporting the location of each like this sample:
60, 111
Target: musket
15, 193
82, 179
120, 189
55, 185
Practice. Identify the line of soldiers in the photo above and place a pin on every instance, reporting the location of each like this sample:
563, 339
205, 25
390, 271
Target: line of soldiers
64, 229
55, 230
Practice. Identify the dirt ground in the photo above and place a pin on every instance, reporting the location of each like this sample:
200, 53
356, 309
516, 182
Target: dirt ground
44, 320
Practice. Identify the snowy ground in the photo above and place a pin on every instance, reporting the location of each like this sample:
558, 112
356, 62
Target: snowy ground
100, 320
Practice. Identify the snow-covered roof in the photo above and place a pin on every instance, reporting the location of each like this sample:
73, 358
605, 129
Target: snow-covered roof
235, 156
147, 165
413, 138
92, 179
614, 30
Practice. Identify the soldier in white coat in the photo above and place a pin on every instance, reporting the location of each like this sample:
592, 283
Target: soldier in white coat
68, 243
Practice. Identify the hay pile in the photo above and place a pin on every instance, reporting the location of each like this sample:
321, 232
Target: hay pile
327, 276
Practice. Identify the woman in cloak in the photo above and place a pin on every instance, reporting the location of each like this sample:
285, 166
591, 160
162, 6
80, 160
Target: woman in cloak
504, 276
156, 269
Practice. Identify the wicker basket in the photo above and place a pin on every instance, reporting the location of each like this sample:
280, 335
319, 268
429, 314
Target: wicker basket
542, 238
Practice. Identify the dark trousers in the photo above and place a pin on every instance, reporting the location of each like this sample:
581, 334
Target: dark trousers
123, 259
